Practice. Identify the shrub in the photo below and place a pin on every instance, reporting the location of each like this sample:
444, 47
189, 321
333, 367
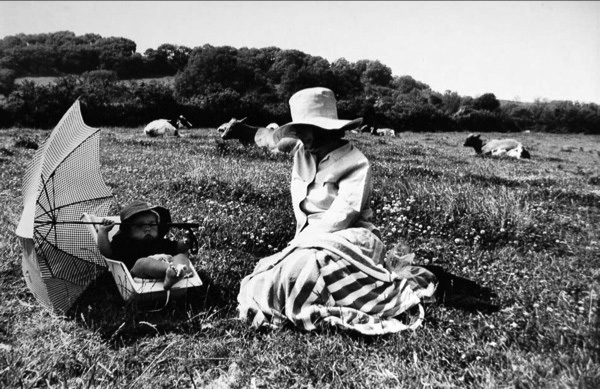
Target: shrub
101, 76
486, 121
419, 118
486, 101
7, 81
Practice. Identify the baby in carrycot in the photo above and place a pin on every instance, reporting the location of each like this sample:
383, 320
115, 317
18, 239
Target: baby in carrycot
142, 246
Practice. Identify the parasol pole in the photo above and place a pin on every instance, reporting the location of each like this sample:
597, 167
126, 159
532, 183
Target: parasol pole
194, 247
174, 225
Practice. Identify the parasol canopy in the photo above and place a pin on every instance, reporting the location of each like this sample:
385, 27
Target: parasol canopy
62, 182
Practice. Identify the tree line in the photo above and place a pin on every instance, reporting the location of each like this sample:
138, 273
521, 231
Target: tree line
210, 84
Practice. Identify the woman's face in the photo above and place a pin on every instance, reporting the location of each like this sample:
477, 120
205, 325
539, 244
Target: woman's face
307, 137
143, 226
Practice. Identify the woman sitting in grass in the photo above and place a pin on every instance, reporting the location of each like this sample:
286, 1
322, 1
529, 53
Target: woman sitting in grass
334, 271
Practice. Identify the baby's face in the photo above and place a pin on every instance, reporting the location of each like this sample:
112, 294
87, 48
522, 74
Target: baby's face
144, 226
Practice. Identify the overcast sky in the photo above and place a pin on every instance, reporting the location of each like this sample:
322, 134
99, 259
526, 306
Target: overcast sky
517, 50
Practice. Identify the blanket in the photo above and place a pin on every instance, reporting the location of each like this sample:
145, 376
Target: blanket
338, 279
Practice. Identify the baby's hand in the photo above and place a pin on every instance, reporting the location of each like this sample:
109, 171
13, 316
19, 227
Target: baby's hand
183, 246
106, 225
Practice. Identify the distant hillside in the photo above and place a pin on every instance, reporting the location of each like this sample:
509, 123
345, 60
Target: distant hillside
49, 80
504, 103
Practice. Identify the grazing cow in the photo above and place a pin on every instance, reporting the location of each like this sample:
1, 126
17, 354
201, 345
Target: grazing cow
260, 136
497, 147
222, 127
160, 127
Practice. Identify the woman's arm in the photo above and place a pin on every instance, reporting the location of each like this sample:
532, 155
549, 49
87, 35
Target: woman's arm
354, 192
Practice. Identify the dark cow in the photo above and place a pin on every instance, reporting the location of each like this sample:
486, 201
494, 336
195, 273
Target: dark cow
260, 136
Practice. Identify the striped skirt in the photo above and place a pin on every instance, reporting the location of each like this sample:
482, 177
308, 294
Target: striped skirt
337, 279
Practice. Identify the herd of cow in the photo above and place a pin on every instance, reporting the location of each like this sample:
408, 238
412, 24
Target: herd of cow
267, 137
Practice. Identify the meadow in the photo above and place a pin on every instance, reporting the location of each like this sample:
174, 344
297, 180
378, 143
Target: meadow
528, 229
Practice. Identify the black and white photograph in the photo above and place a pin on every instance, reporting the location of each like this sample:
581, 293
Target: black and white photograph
300, 194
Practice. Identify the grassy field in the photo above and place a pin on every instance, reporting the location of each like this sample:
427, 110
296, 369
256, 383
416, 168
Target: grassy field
529, 229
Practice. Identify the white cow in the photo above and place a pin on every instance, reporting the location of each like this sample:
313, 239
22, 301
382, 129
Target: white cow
497, 147
162, 127
384, 132
273, 126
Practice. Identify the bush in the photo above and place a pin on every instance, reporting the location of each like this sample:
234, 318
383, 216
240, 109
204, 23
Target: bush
486, 121
419, 118
486, 101
41, 106
100, 76
7, 81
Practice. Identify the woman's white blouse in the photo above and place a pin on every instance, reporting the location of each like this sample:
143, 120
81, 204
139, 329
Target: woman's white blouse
334, 197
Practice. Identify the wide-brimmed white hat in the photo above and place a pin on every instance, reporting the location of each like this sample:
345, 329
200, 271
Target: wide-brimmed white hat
316, 107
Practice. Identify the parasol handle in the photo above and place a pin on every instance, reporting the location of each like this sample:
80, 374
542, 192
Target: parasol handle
193, 241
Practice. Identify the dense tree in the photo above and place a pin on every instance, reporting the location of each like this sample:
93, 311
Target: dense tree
167, 59
209, 69
407, 84
346, 79
451, 102
212, 84
7, 81
486, 101
376, 74
293, 70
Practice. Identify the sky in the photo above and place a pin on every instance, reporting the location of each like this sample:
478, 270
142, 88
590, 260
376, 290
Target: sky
517, 50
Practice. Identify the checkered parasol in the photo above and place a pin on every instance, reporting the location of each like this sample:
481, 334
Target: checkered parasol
62, 182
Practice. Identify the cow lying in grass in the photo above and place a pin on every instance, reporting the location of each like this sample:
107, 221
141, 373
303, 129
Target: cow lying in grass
161, 127
384, 132
378, 131
260, 136
497, 147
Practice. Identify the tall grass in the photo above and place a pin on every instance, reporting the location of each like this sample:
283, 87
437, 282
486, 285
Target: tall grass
527, 229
